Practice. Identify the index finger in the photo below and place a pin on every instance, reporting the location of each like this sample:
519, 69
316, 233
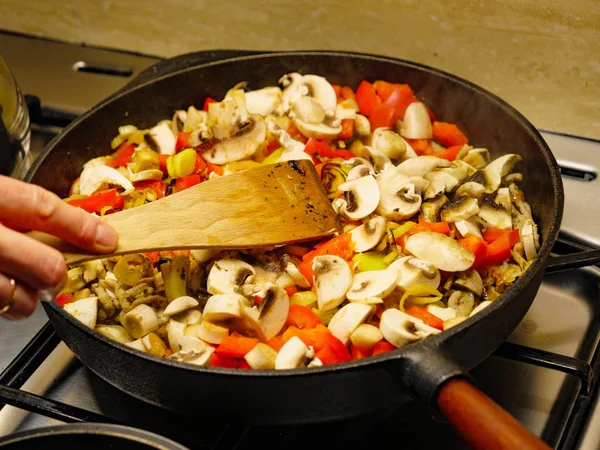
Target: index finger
29, 206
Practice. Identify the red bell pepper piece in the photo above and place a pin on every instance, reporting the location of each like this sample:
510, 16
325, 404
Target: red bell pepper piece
302, 317
295, 133
337, 89
450, 153
421, 146
276, 342
347, 129
214, 168
382, 116
343, 153
186, 182
341, 246
448, 134
272, 146
333, 352
123, 155
385, 89
96, 202
500, 250
208, 101
491, 234
153, 256
382, 346
437, 227
218, 360
478, 247
158, 187
400, 98
236, 346
182, 141
347, 92
200, 164
242, 364
162, 163
63, 299
357, 353
425, 316
367, 98
290, 290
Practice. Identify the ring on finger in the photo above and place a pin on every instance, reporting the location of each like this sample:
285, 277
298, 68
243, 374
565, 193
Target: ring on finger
11, 299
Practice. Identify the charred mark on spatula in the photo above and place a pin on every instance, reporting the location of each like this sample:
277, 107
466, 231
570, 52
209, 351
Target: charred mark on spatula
294, 165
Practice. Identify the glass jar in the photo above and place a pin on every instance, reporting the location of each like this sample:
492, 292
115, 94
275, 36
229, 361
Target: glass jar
15, 132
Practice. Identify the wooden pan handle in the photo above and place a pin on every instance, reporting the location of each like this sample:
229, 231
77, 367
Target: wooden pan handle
482, 423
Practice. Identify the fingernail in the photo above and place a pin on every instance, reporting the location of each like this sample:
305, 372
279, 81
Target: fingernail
106, 236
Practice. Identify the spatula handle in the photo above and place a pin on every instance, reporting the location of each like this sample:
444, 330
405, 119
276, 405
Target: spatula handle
481, 422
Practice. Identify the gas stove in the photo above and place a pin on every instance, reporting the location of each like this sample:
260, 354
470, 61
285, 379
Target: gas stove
544, 374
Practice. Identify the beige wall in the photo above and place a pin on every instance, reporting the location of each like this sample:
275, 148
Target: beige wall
541, 56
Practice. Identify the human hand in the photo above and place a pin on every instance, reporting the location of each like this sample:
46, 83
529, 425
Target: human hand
33, 266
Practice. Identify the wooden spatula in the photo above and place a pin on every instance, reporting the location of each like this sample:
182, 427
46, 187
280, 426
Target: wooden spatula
276, 204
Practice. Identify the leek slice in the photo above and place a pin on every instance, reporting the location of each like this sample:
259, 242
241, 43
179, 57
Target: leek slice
420, 295
404, 228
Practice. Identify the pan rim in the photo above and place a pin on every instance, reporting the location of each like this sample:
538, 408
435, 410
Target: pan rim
432, 341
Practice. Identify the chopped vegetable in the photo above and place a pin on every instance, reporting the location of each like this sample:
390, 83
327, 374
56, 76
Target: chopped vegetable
182, 141
123, 155
425, 316
382, 116
369, 261
500, 249
208, 101
96, 202
366, 98
448, 134
341, 246
220, 360
450, 153
438, 227
186, 182
382, 347
302, 317
478, 247
174, 274
236, 346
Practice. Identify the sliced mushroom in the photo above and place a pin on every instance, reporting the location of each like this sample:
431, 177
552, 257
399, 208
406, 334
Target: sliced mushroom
399, 199
291, 355
203, 255
462, 302
137, 345
369, 234
332, 280
211, 333
362, 126
243, 144
494, 215
308, 110
421, 165
269, 318
222, 307
480, 307
477, 157
411, 272
468, 228
503, 198
361, 197
189, 317
178, 122
179, 305
201, 137
499, 168
348, 319
145, 175
359, 172
388, 143
161, 139
416, 123
440, 182
410, 152
294, 89
154, 344
430, 210
460, 209
442, 251
114, 332
421, 184
228, 275
471, 280
261, 357
471, 189
316, 362
345, 112
453, 322
94, 177
330, 129
175, 330
399, 328
264, 101
140, 321
372, 283
527, 233
130, 269
319, 88
459, 170
84, 310
366, 336
192, 351
441, 313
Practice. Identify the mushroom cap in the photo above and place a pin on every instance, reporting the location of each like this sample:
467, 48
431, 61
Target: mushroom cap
243, 144
421, 165
411, 272
332, 280
369, 234
399, 199
264, 101
227, 275
416, 123
348, 319
460, 209
389, 143
372, 283
361, 195
399, 328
